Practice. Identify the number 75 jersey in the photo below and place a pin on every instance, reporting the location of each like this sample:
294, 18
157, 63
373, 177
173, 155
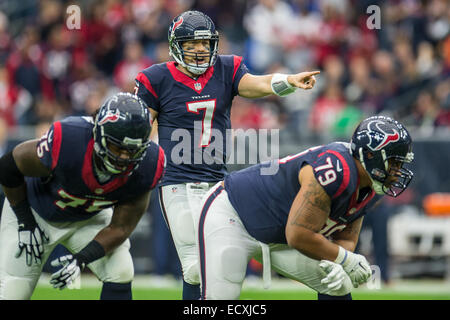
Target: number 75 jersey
72, 192
263, 202
193, 116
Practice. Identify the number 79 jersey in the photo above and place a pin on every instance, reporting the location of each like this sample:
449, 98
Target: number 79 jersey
193, 116
263, 202
72, 192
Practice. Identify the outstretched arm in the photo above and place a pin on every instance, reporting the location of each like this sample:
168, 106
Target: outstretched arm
253, 86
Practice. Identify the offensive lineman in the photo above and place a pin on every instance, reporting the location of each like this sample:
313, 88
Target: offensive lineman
84, 184
194, 93
304, 220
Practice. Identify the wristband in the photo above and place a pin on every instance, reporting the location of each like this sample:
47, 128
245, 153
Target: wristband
93, 251
24, 215
280, 85
342, 256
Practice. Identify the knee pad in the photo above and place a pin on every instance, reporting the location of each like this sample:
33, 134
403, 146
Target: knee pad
184, 227
233, 264
117, 267
14, 288
191, 273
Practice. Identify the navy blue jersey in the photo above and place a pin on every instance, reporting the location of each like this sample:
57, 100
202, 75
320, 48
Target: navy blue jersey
72, 192
263, 202
200, 108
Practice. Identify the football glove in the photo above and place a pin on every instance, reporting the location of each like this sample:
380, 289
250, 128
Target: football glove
355, 265
31, 240
335, 275
70, 271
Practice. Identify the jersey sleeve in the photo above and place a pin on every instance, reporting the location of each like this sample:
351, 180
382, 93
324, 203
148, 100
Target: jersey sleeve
49, 146
160, 168
239, 70
144, 90
332, 172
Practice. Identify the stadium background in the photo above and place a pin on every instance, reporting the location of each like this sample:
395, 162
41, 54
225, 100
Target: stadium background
401, 69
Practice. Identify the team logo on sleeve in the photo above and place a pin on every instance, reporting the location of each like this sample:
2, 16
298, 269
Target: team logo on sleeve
379, 137
109, 116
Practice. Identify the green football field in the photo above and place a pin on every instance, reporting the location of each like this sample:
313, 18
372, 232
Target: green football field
144, 289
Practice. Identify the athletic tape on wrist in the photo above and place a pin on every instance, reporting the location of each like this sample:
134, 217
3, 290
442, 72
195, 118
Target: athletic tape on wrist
342, 256
280, 85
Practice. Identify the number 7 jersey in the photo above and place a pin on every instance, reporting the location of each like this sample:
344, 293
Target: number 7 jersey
72, 192
193, 116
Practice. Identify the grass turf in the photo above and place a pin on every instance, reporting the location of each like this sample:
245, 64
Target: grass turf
48, 293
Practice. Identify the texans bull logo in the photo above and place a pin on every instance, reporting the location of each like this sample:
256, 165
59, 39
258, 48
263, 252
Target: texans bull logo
110, 116
379, 137
177, 23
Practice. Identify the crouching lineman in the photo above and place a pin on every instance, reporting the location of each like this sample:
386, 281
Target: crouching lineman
305, 220
85, 184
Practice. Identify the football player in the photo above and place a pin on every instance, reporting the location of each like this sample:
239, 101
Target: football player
305, 220
196, 91
85, 184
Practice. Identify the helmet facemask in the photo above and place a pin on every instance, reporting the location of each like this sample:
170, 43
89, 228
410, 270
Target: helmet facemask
192, 26
121, 134
113, 162
387, 174
179, 54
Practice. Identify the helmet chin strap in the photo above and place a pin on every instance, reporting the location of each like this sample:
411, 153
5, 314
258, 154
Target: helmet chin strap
377, 187
197, 70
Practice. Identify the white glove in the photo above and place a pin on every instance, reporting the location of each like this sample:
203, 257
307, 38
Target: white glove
335, 275
355, 265
31, 238
69, 272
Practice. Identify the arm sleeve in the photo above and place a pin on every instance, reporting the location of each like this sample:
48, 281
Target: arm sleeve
144, 90
332, 172
49, 146
160, 168
239, 70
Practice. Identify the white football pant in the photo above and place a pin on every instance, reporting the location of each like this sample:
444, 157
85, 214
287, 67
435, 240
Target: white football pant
17, 280
179, 204
225, 248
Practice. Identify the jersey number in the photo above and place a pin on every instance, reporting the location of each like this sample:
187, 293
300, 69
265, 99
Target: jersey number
42, 146
330, 227
329, 176
72, 201
208, 106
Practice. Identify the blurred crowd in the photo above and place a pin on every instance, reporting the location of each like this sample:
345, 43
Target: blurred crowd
400, 67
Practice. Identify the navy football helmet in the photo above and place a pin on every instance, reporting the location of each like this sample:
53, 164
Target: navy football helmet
383, 146
122, 123
193, 25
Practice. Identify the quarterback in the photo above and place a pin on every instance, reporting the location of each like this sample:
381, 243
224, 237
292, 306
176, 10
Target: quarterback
196, 91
